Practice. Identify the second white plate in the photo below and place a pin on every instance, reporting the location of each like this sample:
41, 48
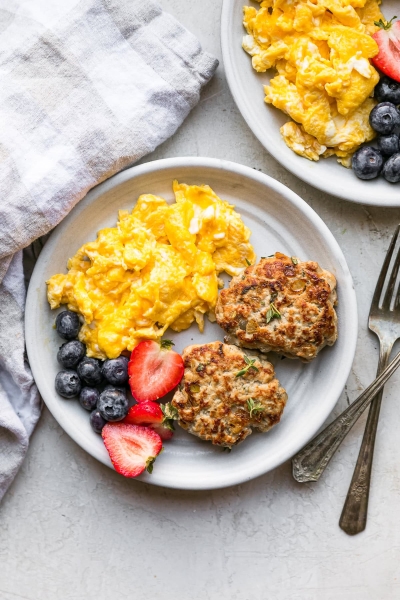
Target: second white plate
265, 121
279, 221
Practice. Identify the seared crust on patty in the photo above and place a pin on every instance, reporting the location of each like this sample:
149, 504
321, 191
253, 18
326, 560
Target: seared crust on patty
219, 386
281, 304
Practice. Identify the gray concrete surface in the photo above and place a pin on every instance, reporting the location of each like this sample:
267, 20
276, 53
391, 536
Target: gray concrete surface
72, 529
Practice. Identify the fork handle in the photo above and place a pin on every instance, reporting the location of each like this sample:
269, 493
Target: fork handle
353, 519
311, 461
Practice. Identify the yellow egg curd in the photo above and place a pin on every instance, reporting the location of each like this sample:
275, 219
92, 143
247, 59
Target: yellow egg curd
157, 268
324, 81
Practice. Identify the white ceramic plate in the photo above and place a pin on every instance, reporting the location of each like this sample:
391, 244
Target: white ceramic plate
279, 221
265, 121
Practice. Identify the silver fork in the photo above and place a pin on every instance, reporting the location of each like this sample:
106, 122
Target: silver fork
384, 321
311, 461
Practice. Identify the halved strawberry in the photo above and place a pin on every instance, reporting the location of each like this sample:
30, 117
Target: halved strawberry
144, 413
132, 448
388, 40
154, 370
157, 417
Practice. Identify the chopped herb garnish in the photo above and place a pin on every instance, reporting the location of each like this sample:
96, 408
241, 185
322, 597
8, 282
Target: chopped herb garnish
273, 313
248, 262
249, 365
254, 407
200, 368
250, 361
294, 260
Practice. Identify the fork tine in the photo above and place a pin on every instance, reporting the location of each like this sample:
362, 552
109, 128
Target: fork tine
384, 271
391, 283
397, 299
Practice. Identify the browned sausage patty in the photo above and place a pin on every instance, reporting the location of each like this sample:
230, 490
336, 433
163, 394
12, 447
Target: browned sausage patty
281, 304
225, 393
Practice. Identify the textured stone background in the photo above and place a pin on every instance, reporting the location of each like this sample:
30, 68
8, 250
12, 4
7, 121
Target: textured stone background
72, 529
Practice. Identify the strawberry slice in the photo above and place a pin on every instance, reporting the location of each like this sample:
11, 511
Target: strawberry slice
388, 40
159, 418
144, 413
154, 370
132, 448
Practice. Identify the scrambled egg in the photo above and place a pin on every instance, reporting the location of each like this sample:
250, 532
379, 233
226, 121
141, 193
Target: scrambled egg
321, 51
157, 268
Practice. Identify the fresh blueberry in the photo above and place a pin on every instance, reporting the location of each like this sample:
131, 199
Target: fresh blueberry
115, 370
89, 397
388, 90
113, 405
391, 169
68, 324
367, 162
71, 353
96, 420
384, 118
388, 144
89, 369
68, 384
119, 388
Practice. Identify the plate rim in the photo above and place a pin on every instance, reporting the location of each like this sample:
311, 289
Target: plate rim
246, 173
356, 196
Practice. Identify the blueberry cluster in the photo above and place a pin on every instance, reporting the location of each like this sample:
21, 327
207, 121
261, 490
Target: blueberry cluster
368, 162
100, 385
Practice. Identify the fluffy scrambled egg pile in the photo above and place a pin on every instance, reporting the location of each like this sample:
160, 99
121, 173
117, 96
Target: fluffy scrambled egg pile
157, 268
321, 51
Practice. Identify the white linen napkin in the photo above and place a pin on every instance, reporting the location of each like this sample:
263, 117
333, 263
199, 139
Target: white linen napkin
87, 87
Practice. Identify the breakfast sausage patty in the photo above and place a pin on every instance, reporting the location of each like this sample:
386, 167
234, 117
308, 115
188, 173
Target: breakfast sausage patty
226, 392
281, 304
